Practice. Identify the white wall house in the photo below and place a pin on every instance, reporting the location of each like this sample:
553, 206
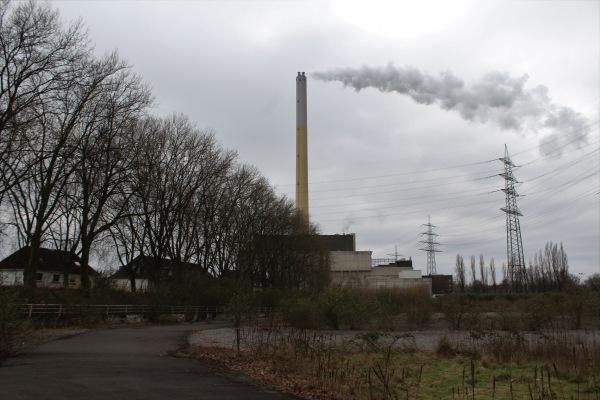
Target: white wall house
56, 268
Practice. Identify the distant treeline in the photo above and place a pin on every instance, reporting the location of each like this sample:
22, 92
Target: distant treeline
547, 271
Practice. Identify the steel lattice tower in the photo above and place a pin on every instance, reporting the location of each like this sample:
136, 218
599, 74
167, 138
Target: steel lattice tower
430, 246
514, 244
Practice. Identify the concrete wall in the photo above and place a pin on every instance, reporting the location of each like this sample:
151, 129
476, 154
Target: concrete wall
376, 283
353, 269
350, 260
391, 271
410, 274
44, 278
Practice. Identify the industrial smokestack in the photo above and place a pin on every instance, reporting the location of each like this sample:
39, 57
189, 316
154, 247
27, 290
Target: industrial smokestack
301, 148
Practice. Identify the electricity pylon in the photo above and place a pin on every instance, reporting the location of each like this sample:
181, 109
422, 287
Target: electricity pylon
430, 246
395, 254
514, 245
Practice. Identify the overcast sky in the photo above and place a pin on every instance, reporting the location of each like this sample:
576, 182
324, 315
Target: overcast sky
410, 106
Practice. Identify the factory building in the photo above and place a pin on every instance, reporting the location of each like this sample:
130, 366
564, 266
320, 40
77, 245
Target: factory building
348, 266
353, 268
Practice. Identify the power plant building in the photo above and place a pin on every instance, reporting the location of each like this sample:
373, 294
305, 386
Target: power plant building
349, 267
353, 268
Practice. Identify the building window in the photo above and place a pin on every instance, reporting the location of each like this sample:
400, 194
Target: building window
72, 281
56, 278
39, 276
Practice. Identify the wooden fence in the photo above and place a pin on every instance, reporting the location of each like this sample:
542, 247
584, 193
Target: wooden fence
59, 310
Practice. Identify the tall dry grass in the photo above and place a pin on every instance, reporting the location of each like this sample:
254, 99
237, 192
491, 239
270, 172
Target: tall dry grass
516, 346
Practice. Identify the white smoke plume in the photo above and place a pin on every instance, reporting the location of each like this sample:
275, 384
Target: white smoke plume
497, 98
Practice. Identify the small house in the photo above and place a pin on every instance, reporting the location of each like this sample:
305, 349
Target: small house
56, 268
147, 270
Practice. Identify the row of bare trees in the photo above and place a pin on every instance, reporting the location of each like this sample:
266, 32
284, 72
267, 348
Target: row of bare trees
83, 164
548, 271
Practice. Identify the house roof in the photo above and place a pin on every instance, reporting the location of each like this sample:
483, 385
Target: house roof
49, 260
146, 265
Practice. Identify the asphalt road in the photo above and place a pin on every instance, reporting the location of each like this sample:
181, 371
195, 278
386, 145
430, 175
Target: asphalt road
124, 363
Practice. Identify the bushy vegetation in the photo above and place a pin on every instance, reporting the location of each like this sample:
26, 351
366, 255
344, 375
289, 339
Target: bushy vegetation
340, 307
10, 319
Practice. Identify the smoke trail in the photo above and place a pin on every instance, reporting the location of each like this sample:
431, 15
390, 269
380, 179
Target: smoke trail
497, 98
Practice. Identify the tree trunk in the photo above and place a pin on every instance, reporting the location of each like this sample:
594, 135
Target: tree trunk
132, 284
33, 257
85, 258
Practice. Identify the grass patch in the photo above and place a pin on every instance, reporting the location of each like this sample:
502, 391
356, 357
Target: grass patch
374, 365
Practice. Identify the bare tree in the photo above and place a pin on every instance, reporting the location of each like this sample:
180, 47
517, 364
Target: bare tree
178, 162
106, 155
549, 269
483, 273
37, 58
81, 163
460, 272
593, 282
55, 137
128, 236
202, 233
473, 273
492, 267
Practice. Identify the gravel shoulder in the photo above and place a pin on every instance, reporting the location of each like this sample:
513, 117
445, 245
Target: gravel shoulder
426, 340
225, 337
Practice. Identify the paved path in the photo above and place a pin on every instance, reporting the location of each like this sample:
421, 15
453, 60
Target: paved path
124, 363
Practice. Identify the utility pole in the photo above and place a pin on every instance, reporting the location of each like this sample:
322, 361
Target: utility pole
395, 254
514, 244
430, 246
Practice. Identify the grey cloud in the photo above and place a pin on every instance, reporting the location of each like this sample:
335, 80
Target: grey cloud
497, 98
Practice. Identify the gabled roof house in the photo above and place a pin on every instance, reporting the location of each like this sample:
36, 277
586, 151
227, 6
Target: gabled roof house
56, 268
146, 270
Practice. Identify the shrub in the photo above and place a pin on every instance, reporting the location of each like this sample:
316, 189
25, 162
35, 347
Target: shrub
536, 315
455, 309
387, 307
332, 304
10, 319
343, 306
444, 348
414, 302
103, 287
90, 315
419, 312
302, 313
